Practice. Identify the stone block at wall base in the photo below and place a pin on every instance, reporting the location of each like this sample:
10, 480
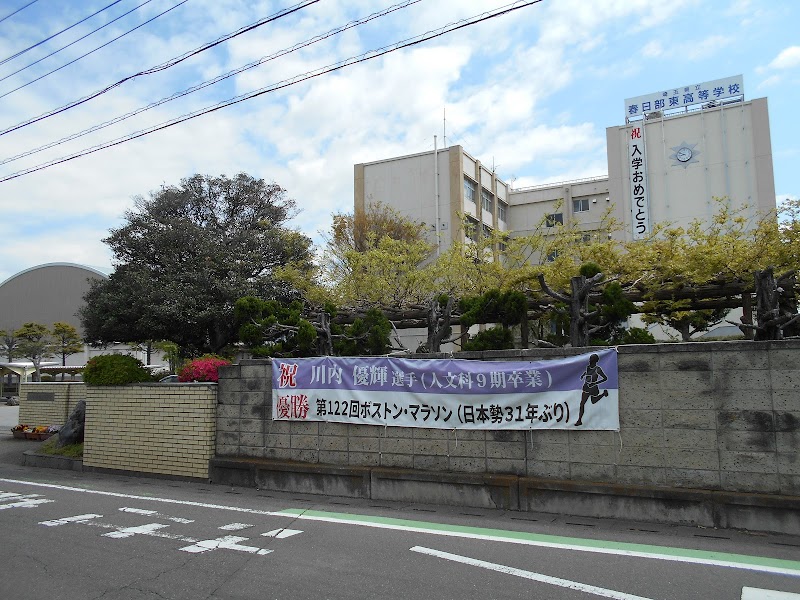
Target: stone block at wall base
454, 489
706, 508
329, 480
649, 503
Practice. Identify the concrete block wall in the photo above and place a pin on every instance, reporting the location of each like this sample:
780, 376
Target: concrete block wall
167, 429
48, 403
712, 416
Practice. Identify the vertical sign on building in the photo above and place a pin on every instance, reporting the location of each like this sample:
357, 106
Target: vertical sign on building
637, 166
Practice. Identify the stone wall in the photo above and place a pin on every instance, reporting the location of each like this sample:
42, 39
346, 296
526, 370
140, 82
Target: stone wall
703, 416
151, 428
48, 403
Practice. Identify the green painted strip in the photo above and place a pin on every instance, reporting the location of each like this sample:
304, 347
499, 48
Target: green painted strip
522, 536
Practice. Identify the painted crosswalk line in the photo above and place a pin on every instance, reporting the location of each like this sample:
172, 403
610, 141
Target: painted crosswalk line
556, 581
154, 513
65, 520
228, 542
749, 593
236, 526
281, 533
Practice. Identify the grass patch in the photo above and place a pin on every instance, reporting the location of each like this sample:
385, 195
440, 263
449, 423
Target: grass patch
50, 447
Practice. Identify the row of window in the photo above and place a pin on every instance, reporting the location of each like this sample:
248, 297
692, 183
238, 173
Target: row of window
487, 199
578, 205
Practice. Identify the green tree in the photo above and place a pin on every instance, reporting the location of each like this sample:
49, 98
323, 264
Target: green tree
8, 344
34, 344
66, 341
186, 254
373, 257
8, 347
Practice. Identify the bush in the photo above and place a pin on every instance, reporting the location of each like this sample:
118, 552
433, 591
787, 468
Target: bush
637, 335
115, 369
204, 368
495, 338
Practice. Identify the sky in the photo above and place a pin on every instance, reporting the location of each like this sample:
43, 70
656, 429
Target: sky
530, 92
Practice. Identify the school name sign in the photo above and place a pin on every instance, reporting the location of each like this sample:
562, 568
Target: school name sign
580, 392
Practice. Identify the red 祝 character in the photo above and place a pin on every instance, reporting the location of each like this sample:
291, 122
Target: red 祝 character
288, 374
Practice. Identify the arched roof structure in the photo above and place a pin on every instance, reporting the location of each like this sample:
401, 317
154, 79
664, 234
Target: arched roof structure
45, 294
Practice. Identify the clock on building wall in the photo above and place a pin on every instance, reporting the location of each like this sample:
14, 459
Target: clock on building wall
684, 154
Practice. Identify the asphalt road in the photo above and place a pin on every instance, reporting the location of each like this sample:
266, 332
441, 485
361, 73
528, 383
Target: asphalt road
66, 535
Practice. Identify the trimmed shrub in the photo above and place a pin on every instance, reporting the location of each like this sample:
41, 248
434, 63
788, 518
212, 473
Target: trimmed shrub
115, 369
204, 368
495, 338
637, 335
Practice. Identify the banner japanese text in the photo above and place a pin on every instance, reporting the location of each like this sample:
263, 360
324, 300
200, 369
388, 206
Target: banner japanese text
579, 392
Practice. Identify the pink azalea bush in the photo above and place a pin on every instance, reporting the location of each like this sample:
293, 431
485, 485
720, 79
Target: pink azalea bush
204, 368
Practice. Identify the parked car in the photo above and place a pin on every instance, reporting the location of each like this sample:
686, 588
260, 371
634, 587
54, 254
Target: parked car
169, 379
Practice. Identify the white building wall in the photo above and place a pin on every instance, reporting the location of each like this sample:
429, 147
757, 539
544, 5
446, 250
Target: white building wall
408, 185
732, 157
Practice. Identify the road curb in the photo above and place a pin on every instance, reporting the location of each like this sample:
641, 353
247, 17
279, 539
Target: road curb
31, 458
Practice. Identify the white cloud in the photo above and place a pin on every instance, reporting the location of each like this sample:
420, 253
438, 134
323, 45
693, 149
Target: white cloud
708, 47
525, 90
788, 58
653, 49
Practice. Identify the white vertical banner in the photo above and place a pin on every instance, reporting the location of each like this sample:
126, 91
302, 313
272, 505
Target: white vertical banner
637, 168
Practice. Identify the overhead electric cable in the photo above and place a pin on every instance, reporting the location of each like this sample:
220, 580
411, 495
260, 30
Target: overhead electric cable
213, 81
76, 41
21, 52
170, 63
16, 11
95, 50
372, 54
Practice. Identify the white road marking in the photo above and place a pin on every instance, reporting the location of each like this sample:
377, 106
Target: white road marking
565, 583
8, 495
68, 488
138, 511
228, 542
151, 513
131, 531
154, 533
236, 527
25, 503
65, 520
434, 530
282, 533
749, 593
523, 541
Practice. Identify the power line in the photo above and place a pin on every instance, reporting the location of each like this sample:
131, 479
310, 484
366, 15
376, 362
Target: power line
16, 11
370, 55
163, 66
93, 51
213, 81
21, 52
135, 8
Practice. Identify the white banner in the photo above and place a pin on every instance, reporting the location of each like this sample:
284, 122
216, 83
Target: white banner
681, 97
580, 392
637, 165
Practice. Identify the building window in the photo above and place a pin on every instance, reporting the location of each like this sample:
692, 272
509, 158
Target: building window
552, 256
501, 211
472, 229
580, 205
551, 220
487, 231
488, 200
469, 191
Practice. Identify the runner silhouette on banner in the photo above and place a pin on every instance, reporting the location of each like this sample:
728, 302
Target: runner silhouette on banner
592, 378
